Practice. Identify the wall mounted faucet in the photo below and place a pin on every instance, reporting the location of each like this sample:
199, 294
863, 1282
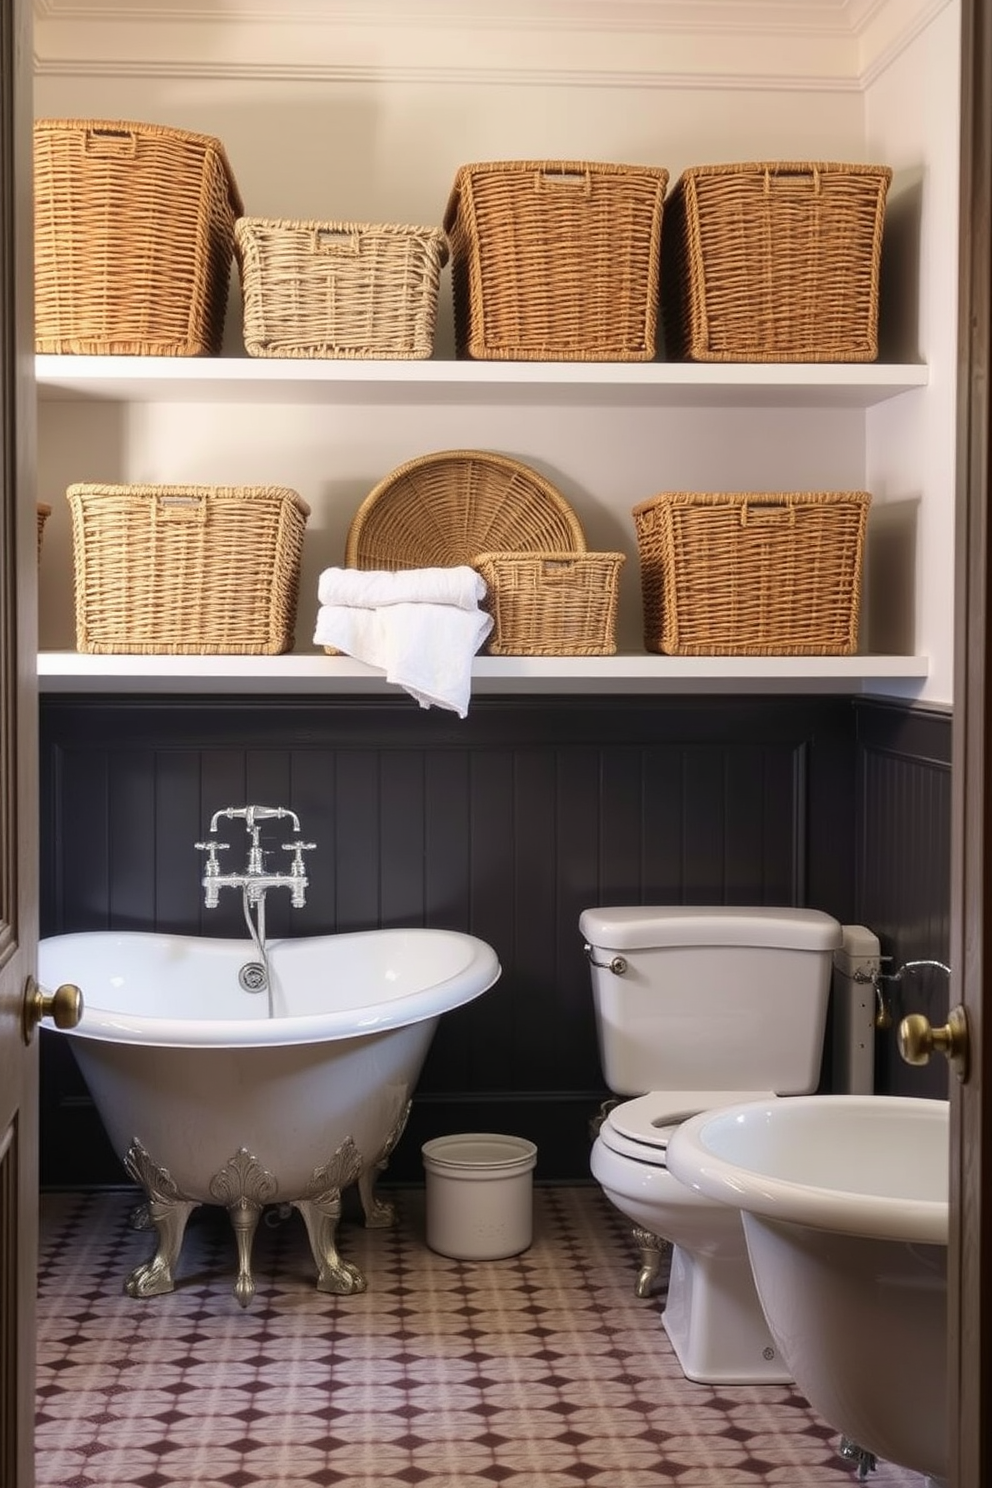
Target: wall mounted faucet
255, 880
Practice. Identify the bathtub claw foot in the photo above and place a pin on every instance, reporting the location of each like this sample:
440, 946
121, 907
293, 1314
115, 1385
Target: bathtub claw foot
379, 1213
334, 1275
321, 1210
166, 1211
244, 1219
653, 1251
244, 1187
155, 1277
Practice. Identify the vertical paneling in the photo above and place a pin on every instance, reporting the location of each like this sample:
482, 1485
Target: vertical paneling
904, 873
506, 824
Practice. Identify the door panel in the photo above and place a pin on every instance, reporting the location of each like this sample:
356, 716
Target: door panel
18, 758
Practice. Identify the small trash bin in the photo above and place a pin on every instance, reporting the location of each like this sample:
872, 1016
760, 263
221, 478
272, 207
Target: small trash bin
479, 1195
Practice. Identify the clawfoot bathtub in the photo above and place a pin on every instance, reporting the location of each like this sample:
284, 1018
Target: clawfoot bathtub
211, 1094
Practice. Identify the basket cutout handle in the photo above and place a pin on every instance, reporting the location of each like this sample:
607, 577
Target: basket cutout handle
558, 570
117, 143
570, 180
794, 174
768, 511
178, 508
330, 240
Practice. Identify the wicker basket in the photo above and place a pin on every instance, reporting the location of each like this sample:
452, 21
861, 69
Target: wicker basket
556, 261
440, 510
186, 570
44, 512
339, 289
752, 574
134, 238
551, 604
774, 262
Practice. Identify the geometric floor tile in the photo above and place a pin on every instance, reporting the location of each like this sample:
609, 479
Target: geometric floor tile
541, 1371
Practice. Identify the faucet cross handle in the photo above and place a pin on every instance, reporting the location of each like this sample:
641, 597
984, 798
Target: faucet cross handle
298, 848
211, 847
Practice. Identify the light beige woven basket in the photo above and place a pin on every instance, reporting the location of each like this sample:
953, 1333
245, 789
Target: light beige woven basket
441, 509
186, 570
774, 262
339, 289
551, 604
134, 238
556, 260
752, 573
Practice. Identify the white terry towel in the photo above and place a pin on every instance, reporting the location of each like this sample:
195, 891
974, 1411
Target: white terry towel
426, 649
368, 588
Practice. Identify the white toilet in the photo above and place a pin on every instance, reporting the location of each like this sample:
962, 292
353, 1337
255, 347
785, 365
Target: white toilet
698, 1008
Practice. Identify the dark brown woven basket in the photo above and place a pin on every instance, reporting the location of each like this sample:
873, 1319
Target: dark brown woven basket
186, 570
556, 260
551, 604
752, 573
339, 289
774, 262
134, 238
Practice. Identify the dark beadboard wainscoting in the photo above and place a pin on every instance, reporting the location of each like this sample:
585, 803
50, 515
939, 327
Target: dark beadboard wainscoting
506, 824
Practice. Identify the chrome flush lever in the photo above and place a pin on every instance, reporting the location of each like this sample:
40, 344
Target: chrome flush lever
618, 965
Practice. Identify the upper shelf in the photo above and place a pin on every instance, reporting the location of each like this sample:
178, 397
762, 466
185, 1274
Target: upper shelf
318, 674
293, 380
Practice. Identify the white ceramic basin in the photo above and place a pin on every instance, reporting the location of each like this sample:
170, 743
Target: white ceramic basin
844, 1201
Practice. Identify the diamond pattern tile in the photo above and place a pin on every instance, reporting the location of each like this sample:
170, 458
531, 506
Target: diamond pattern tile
541, 1371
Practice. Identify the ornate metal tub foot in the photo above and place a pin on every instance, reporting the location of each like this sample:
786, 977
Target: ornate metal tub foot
378, 1213
321, 1210
243, 1186
653, 1251
165, 1210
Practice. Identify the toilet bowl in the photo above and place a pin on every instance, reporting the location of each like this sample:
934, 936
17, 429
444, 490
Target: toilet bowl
712, 1314
692, 1003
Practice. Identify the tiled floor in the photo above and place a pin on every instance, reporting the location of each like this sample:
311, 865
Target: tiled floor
543, 1371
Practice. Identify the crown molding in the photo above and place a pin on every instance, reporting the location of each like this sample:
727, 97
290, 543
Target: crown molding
832, 45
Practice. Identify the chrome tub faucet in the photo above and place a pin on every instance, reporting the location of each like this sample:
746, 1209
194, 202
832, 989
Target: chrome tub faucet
254, 881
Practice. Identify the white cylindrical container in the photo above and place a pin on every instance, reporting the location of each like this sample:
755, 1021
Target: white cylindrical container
479, 1195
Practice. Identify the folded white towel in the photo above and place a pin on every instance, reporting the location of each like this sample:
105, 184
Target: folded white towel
426, 649
368, 588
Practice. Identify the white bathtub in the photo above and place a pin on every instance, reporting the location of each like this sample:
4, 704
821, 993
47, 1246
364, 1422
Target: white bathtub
214, 1095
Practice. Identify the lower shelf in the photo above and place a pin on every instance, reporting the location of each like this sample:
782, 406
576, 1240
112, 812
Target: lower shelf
313, 672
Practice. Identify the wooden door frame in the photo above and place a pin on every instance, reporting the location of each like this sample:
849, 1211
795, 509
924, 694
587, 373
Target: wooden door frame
970, 1313
18, 816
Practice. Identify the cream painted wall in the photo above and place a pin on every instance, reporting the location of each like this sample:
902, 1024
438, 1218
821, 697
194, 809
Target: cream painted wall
912, 115
367, 150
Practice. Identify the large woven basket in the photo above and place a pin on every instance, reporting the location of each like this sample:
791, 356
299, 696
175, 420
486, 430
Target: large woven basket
134, 238
551, 604
774, 262
186, 570
556, 260
752, 573
440, 510
339, 289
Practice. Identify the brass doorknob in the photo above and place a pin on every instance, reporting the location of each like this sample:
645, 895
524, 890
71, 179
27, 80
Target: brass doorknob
64, 1006
917, 1040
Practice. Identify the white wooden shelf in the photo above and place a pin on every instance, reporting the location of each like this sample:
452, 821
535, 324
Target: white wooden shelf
319, 674
612, 384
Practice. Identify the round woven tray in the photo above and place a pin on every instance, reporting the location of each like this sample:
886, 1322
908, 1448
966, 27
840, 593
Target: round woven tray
440, 510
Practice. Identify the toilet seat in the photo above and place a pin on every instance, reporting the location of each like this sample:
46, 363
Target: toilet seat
640, 1128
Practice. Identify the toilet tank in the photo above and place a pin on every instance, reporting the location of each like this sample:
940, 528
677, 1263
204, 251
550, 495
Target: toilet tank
702, 998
